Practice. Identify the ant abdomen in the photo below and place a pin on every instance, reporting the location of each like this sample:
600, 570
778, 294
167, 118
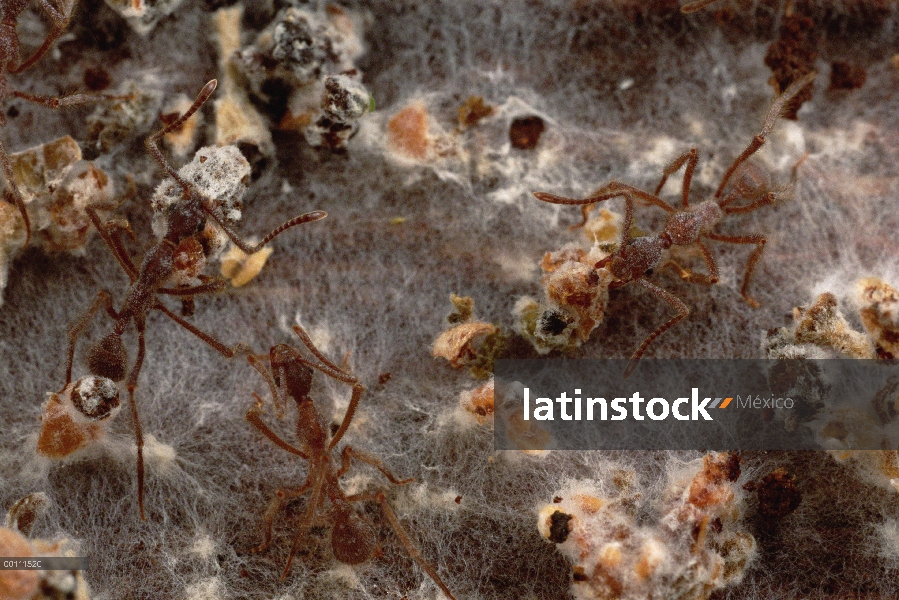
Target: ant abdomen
352, 538
108, 358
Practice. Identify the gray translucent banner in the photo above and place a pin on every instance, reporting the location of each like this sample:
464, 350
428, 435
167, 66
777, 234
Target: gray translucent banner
697, 405
43, 563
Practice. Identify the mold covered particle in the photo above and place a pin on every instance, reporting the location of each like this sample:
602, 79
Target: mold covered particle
822, 324
241, 268
222, 174
56, 186
846, 76
479, 402
525, 132
473, 111
143, 15
302, 66
879, 312
791, 57
237, 121
695, 546
777, 494
130, 116
407, 132
77, 417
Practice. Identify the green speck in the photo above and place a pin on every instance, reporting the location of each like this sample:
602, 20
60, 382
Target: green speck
371, 104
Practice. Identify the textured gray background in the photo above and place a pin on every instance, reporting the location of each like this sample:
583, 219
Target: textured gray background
380, 291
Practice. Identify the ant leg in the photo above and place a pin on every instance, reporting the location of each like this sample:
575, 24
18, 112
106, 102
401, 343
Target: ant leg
153, 148
762, 198
640, 194
226, 351
61, 102
337, 373
306, 520
329, 368
794, 171
13, 190
138, 430
59, 18
277, 396
688, 275
738, 193
315, 215
410, 546
253, 417
585, 216
349, 453
613, 190
60, 23
691, 7
210, 287
278, 499
768, 198
759, 241
114, 243
599, 196
358, 388
777, 108
691, 159
77, 328
628, 221
671, 299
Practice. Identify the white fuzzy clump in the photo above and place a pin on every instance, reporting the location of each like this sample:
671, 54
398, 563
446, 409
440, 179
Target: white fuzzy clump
696, 546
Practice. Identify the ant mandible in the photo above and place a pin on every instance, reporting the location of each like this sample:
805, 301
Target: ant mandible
352, 536
636, 257
108, 357
10, 65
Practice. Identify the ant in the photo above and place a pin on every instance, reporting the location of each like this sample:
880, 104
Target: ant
10, 65
635, 258
352, 536
108, 357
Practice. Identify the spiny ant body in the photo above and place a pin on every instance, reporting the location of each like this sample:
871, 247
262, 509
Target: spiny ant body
185, 219
636, 257
353, 539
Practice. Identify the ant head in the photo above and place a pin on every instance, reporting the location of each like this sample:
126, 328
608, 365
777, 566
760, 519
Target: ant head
184, 220
108, 358
298, 377
352, 538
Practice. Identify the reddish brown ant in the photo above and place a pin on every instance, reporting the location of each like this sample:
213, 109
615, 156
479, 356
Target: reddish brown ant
636, 257
10, 65
187, 218
352, 536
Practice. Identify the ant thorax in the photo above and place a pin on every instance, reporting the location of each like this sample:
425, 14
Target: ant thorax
685, 227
